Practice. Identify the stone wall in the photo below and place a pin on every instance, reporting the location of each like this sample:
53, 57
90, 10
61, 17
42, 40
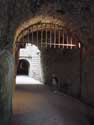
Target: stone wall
65, 64
6, 86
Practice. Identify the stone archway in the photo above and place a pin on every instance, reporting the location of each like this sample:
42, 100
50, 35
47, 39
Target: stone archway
23, 67
52, 37
10, 56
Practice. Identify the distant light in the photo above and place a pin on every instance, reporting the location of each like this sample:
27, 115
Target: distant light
22, 79
79, 44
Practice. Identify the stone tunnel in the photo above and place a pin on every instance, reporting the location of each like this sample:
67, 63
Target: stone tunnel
63, 31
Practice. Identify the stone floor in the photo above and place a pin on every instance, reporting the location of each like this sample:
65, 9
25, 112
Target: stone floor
37, 105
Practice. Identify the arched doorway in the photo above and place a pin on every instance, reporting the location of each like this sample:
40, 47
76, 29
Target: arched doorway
23, 67
31, 54
60, 48
60, 53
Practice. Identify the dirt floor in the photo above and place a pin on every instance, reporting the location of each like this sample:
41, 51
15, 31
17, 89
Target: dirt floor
37, 105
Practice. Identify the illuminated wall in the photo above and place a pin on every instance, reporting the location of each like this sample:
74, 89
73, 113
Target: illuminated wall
32, 54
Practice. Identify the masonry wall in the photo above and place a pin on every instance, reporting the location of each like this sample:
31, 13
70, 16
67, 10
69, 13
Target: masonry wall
6, 87
65, 64
32, 54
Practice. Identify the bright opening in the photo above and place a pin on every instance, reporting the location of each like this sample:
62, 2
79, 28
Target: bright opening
29, 69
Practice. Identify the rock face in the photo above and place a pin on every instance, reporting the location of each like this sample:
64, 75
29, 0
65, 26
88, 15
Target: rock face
6, 83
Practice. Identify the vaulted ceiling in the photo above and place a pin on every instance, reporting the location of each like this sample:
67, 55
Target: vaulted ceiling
78, 16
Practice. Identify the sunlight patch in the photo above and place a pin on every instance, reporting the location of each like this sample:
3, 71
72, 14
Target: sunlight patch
26, 80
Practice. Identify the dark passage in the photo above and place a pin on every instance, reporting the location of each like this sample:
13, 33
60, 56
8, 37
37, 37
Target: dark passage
37, 105
23, 67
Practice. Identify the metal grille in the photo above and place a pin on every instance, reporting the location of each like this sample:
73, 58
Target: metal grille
48, 35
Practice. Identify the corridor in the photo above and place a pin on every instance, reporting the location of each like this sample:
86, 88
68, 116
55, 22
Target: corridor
37, 105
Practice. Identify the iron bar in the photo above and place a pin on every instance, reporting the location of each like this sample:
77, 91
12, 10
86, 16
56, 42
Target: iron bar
37, 36
32, 35
59, 40
63, 39
41, 36
54, 36
50, 38
46, 40
71, 41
